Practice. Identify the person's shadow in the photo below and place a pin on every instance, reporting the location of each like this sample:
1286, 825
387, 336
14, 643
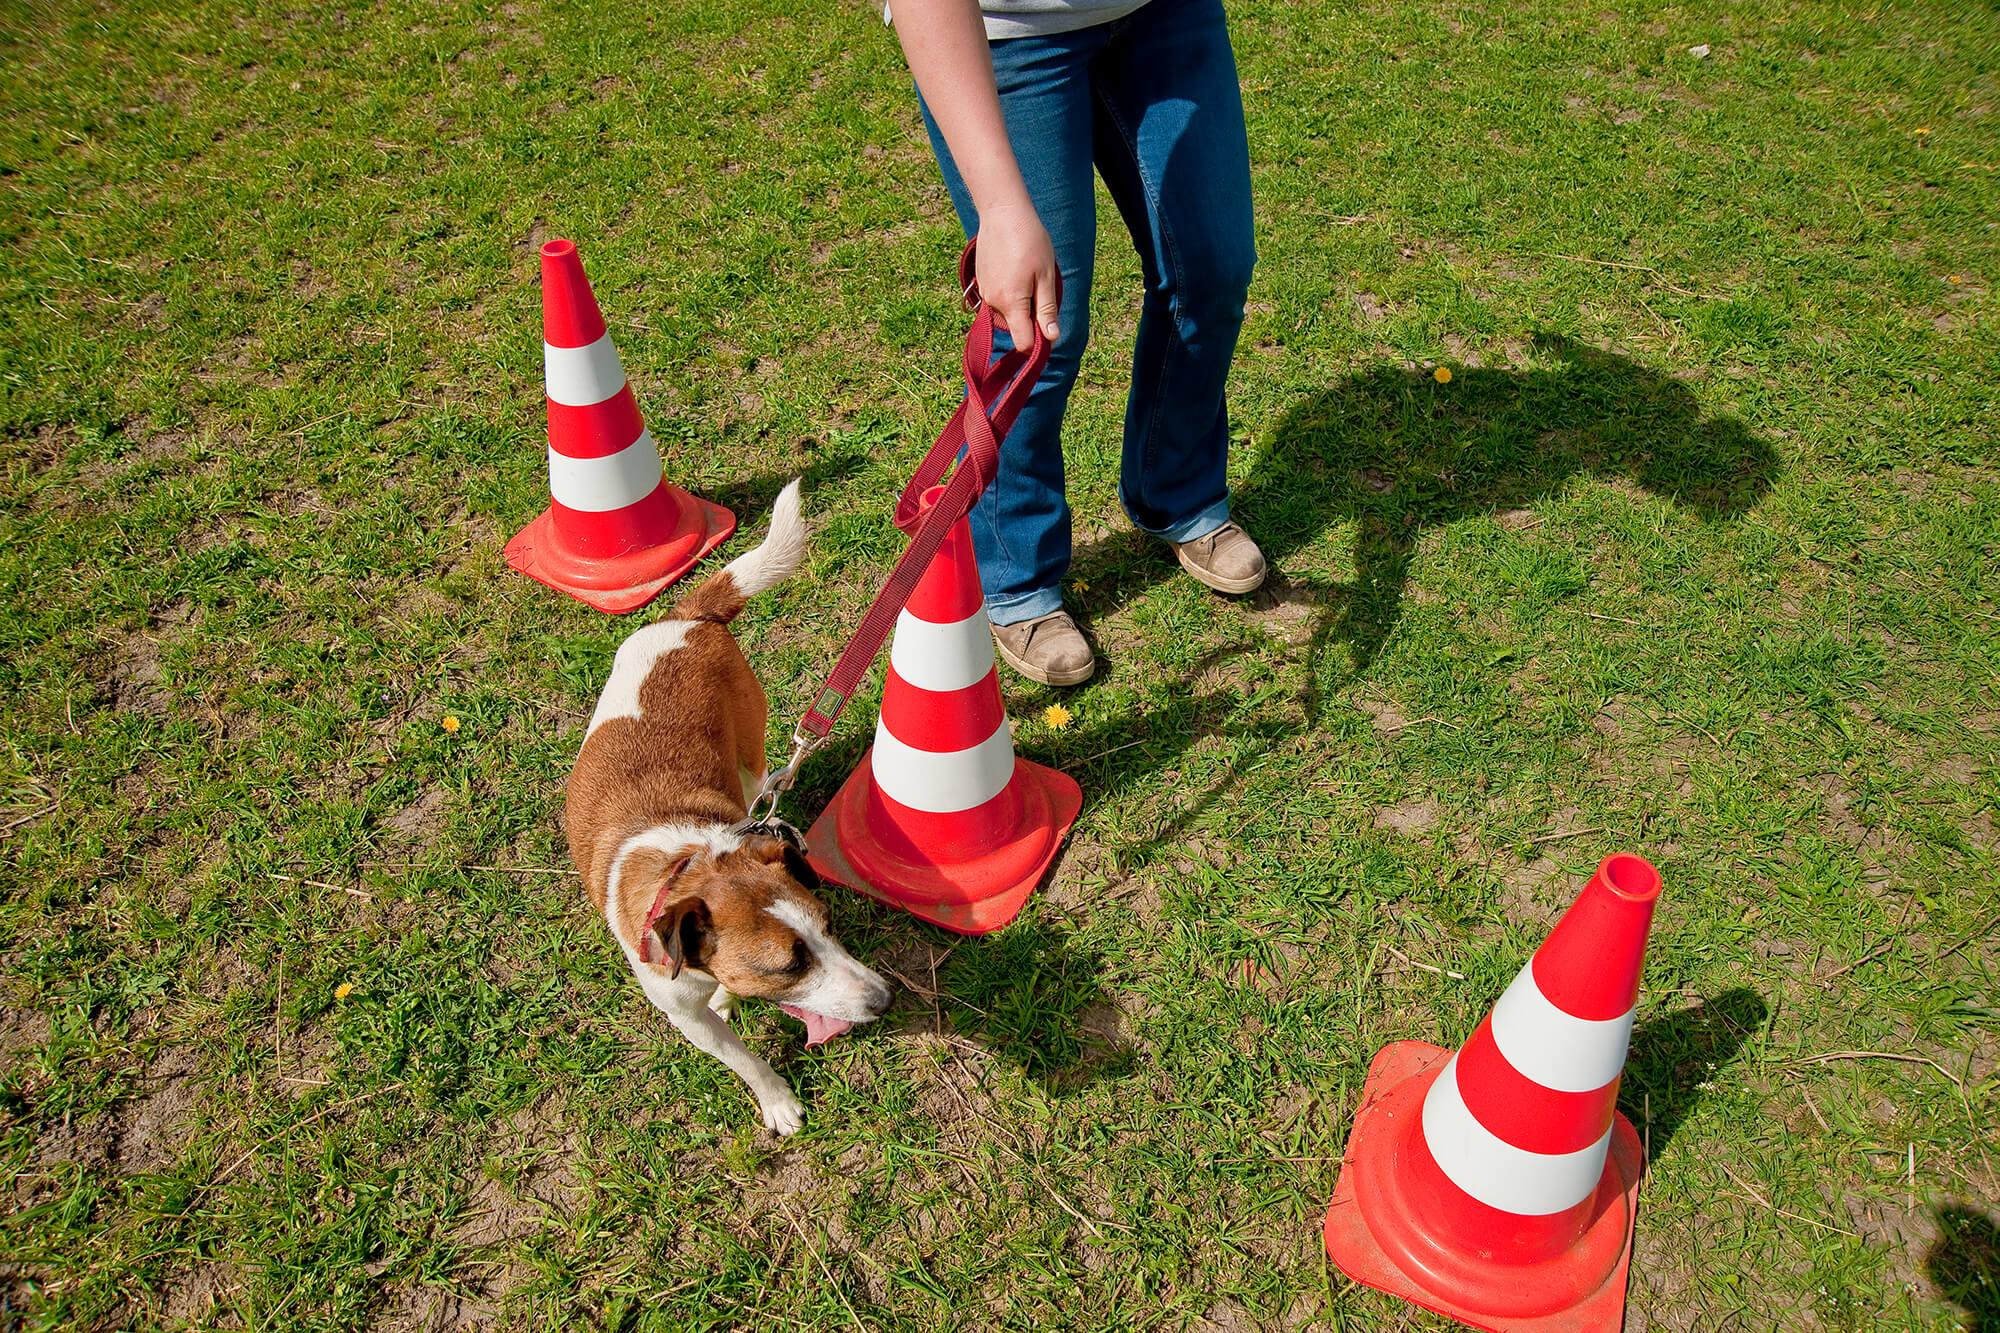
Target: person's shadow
1964, 1262
1396, 453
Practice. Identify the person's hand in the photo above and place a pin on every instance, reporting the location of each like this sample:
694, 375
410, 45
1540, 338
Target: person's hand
1015, 265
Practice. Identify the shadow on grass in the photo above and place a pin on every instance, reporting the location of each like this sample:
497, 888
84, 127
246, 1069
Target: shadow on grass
1030, 994
1115, 750
1672, 1057
1397, 454
751, 498
1027, 992
1964, 1262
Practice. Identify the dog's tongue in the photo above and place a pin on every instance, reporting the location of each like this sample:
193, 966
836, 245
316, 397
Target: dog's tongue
819, 1027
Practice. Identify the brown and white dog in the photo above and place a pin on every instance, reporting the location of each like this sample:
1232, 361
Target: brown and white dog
705, 912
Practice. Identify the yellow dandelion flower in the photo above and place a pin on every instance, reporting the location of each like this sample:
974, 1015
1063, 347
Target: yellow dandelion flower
449, 724
343, 990
1082, 587
1056, 716
1922, 129
1954, 278
1442, 374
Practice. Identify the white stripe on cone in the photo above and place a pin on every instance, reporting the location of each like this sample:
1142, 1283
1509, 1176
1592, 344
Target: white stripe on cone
942, 658
581, 376
1495, 1172
943, 784
1555, 1049
599, 485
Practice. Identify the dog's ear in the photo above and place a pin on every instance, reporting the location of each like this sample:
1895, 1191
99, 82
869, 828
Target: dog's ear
784, 852
682, 931
801, 869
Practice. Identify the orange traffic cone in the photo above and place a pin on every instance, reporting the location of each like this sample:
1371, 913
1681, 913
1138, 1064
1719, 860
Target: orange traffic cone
615, 532
941, 818
1497, 1185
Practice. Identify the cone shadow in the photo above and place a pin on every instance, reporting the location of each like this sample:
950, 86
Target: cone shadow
751, 497
1673, 1056
1027, 992
1964, 1263
1030, 994
829, 766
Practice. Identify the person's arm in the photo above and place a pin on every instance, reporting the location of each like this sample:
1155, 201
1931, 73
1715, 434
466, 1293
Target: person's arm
945, 43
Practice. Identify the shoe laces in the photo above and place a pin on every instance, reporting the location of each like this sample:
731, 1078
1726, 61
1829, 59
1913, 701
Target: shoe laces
1214, 539
1035, 627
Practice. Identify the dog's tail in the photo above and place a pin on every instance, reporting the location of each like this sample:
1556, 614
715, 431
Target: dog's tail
721, 598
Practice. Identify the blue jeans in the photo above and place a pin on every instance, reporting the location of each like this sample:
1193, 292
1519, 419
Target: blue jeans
1152, 101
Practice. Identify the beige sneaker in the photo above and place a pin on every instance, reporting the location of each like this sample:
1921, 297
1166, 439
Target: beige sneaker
1050, 649
1226, 559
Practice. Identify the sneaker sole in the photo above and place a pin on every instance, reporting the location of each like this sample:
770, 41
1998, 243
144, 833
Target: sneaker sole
1042, 676
1231, 586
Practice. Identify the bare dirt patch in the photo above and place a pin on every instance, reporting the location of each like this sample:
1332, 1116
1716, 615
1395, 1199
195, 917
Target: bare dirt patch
136, 675
1384, 716
192, 1296
434, 1310
528, 1179
1410, 817
226, 972
152, 1128
1285, 612
419, 821
787, 1182
949, 1092
21, 1030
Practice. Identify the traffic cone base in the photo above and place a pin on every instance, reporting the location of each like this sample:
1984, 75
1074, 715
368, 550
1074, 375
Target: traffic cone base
891, 856
1383, 1239
622, 583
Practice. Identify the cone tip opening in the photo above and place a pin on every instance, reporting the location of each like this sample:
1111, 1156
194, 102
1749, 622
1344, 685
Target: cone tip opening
1631, 877
558, 249
909, 519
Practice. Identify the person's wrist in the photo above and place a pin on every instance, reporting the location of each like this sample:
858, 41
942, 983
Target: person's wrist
1008, 207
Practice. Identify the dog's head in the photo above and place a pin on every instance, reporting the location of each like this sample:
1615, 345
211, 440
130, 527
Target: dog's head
750, 918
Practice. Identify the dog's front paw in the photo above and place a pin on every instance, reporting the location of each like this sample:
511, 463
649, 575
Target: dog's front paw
783, 1114
723, 1005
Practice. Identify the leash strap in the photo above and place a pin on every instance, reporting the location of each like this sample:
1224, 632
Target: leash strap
995, 393
976, 428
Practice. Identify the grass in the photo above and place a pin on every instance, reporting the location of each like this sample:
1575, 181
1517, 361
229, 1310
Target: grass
1693, 555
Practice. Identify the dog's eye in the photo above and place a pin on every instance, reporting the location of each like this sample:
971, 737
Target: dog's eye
801, 958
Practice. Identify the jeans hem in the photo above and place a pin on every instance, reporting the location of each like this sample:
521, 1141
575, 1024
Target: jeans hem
1200, 524
1024, 606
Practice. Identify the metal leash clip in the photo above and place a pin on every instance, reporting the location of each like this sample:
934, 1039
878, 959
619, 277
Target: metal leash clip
763, 812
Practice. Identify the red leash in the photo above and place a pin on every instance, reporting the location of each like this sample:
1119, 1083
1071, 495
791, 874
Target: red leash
976, 428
